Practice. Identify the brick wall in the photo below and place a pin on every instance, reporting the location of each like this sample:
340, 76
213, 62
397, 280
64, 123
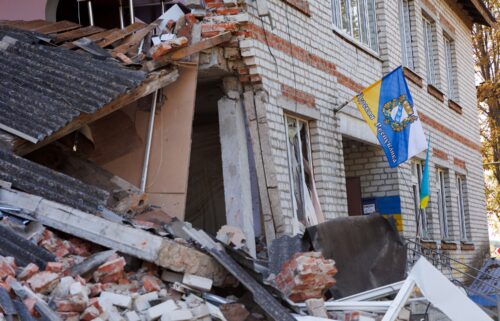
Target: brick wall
303, 54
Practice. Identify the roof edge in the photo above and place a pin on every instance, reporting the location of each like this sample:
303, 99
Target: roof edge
486, 14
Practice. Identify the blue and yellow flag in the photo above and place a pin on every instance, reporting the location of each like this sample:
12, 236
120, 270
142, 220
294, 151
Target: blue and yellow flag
388, 109
424, 185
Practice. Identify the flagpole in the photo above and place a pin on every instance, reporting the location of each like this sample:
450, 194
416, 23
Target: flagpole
335, 111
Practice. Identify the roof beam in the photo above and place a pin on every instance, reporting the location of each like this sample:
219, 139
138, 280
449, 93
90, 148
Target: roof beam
153, 82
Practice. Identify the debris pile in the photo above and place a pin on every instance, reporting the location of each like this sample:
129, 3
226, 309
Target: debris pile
86, 283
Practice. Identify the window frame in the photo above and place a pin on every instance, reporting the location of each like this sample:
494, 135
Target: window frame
443, 204
429, 30
406, 28
369, 23
462, 218
290, 166
450, 68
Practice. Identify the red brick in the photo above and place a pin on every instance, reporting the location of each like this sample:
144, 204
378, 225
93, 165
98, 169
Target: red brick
306, 276
459, 163
439, 154
227, 11
28, 271
56, 267
191, 18
43, 282
151, 283
71, 305
112, 266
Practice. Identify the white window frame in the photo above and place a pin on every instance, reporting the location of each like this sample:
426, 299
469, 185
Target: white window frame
361, 12
430, 54
420, 214
461, 208
442, 203
301, 165
450, 67
407, 56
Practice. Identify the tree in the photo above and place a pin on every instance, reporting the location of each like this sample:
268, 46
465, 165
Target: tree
486, 41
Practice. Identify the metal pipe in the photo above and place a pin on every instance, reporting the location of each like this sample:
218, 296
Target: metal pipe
131, 8
149, 138
120, 13
162, 6
91, 13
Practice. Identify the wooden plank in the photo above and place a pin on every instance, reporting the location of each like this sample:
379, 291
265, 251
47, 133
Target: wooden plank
188, 51
134, 40
138, 243
56, 27
95, 38
78, 33
26, 25
119, 34
154, 82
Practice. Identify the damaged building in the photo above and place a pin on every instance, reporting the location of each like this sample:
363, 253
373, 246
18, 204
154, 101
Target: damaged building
223, 114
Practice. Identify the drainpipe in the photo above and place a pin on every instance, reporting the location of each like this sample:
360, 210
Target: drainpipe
91, 13
131, 7
120, 13
149, 138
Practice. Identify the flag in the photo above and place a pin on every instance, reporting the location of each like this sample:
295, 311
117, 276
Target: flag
424, 185
388, 109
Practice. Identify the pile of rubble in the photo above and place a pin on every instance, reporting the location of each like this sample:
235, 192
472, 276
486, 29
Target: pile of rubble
85, 283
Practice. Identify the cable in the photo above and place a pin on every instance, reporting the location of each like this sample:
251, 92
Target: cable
269, 47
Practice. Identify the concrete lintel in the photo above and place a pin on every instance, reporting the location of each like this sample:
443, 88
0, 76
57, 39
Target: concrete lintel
299, 109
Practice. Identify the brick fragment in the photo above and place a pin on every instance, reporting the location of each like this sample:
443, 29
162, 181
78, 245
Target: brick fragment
74, 304
56, 267
28, 271
306, 276
111, 271
43, 282
151, 283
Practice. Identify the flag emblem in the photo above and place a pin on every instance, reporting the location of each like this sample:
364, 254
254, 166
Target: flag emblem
396, 109
388, 109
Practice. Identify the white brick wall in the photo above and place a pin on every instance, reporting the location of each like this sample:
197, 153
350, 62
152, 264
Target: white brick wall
315, 35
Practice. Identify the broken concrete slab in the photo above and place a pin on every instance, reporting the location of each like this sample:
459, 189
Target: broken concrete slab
141, 244
260, 295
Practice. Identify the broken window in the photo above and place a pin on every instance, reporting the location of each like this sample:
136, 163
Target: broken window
461, 208
305, 202
357, 18
443, 202
420, 214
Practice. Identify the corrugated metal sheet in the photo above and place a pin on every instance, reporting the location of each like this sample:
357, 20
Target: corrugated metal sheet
42, 181
42, 88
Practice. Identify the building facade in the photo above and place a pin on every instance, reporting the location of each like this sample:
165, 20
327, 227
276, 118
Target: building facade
316, 55
289, 159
